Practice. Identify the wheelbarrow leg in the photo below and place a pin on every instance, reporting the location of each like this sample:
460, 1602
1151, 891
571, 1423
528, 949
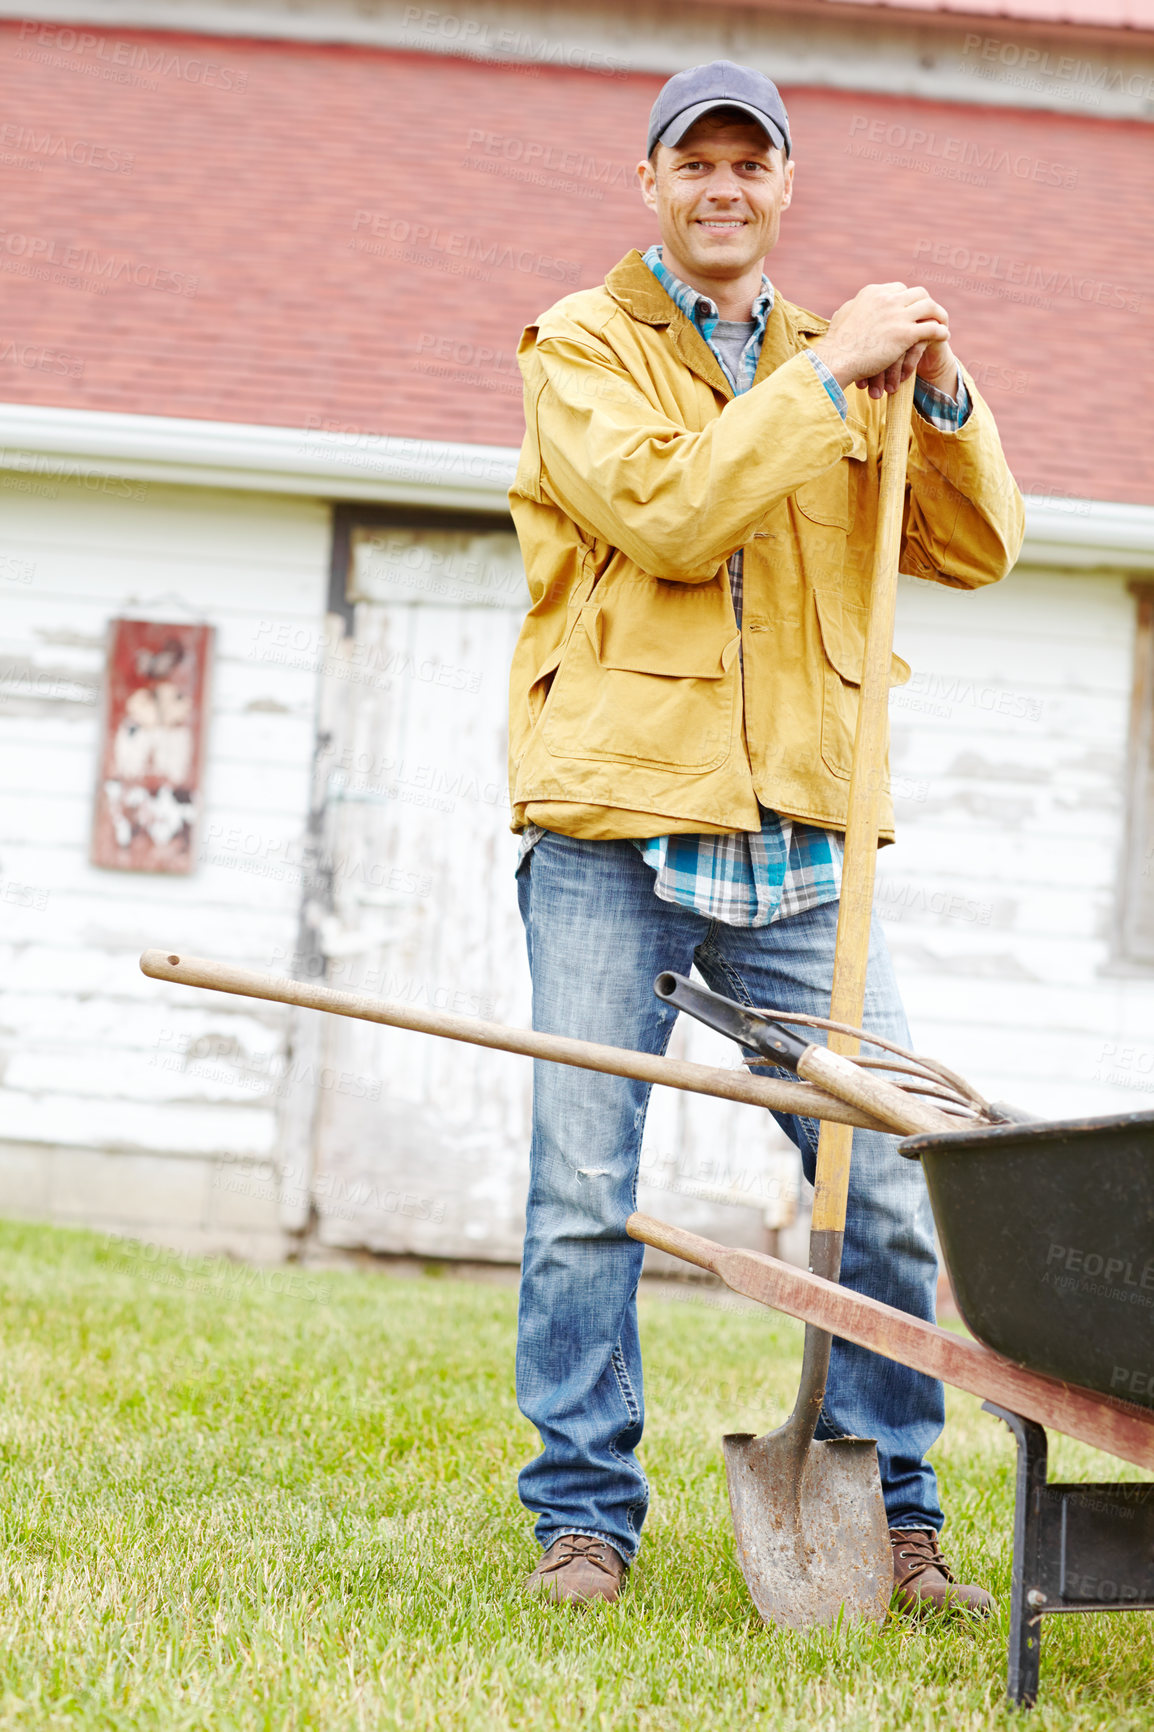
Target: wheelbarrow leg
1077, 1548
1025, 1619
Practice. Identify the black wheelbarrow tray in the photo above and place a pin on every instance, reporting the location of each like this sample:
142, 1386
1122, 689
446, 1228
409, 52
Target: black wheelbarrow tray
1047, 1231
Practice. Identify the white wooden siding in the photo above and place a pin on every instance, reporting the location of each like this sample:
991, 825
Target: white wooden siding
188, 1117
998, 898
121, 1099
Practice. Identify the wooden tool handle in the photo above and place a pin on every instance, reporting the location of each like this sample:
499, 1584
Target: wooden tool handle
867, 779
897, 1108
1100, 1420
690, 1247
730, 1085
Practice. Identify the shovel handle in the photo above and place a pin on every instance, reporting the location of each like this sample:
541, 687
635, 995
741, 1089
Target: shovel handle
851, 953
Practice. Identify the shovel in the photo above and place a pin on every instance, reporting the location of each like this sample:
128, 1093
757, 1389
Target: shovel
809, 1519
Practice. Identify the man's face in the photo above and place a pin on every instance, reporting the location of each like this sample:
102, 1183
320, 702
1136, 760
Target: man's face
718, 195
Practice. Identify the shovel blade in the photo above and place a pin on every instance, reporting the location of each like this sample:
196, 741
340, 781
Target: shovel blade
812, 1537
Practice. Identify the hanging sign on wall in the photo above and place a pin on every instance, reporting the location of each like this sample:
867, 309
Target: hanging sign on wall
148, 792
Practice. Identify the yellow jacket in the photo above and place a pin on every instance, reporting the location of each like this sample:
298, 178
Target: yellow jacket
639, 475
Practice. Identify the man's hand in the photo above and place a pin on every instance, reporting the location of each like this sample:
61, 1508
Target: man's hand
877, 340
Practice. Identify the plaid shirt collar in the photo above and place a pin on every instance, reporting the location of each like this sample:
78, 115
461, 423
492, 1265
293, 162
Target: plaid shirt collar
704, 314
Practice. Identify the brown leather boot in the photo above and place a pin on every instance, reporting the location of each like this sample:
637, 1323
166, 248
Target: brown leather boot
924, 1582
578, 1568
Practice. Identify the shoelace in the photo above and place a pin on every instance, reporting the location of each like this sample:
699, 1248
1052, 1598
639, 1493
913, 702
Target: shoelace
921, 1545
581, 1546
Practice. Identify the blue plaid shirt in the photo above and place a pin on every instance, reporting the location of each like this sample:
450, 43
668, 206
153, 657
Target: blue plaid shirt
756, 877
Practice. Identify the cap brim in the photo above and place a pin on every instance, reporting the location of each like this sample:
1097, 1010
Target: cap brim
678, 127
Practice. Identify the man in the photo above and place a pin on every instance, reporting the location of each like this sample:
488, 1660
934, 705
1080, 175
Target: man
696, 503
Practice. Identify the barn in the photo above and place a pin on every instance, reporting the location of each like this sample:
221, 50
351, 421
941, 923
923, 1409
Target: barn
265, 268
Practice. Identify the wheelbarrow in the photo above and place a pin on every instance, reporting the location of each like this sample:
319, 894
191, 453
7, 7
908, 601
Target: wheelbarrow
1004, 1196
1047, 1231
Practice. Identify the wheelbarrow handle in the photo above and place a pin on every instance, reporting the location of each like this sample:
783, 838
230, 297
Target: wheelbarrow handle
1103, 1421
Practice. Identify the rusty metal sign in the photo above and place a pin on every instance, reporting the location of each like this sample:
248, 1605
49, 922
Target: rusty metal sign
148, 791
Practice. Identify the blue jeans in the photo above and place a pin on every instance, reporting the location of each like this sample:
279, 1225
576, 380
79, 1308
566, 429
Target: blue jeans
597, 936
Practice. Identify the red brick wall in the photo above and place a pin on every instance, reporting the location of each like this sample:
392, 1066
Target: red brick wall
291, 234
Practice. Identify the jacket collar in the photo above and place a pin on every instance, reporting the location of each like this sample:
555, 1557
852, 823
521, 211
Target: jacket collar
637, 291
634, 287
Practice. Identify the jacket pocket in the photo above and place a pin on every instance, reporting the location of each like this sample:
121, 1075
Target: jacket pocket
542, 681
843, 633
623, 696
831, 498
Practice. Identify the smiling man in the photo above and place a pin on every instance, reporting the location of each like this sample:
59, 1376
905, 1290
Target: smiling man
696, 503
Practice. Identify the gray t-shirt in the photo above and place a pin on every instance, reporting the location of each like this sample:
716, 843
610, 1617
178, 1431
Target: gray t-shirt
730, 337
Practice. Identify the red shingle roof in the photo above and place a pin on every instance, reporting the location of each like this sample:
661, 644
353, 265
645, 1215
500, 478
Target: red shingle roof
297, 235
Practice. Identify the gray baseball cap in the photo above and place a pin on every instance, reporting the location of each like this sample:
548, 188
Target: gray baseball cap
722, 84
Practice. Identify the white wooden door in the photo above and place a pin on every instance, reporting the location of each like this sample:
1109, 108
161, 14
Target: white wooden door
421, 1144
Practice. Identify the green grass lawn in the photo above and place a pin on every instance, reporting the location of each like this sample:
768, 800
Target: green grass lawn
287, 1499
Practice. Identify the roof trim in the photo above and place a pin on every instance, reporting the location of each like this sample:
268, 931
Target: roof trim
987, 53
57, 443
1092, 14
309, 461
